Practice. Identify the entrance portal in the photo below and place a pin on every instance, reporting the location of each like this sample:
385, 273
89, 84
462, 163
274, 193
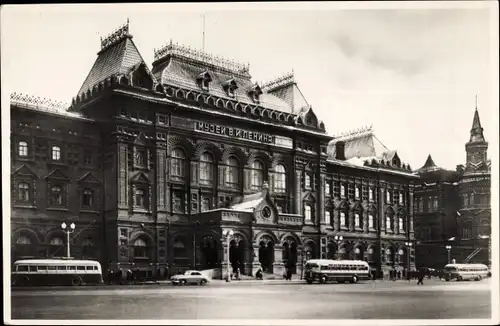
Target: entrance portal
290, 255
209, 253
266, 255
237, 255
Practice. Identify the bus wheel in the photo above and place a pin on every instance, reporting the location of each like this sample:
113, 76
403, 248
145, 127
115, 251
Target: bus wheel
478, 278
309, 281
355, 279
76, 281
322, 280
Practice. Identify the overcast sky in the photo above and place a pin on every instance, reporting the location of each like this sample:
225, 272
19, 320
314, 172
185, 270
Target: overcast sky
411, 72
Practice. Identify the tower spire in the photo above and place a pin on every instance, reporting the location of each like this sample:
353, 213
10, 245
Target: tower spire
476, 132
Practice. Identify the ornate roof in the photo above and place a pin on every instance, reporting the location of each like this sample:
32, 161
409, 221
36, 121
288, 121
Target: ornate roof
363, 148
431, 172
36, 103
286, 88
118, 55
181, 66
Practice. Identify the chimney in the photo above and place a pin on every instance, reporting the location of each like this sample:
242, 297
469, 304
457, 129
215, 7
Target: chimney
340, 150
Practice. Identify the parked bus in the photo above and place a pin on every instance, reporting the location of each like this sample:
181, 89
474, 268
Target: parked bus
326, 270
462, 272
56, 272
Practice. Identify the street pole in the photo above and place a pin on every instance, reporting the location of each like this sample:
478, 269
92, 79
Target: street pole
68, 231
448, 247
228, 234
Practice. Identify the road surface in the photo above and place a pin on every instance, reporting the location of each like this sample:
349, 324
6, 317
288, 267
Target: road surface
368, 300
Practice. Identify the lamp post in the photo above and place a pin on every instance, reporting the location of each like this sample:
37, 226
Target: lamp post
408, 245
338, 240
228, 234
68, 230
448, 247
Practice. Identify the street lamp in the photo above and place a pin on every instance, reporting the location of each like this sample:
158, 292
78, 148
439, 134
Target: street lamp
338, 239
228, 234
448, 247
68, 231
408, 252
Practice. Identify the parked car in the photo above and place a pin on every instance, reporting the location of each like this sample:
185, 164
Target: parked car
190, 277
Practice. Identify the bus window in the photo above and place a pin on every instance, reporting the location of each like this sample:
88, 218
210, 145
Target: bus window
22, 268
42, 268
72, 268
80, 268
51, 268
95, 268
33, 268
61, 268
89, 268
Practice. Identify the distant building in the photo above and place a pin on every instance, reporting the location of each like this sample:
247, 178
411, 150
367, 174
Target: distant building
452, 208
153, 165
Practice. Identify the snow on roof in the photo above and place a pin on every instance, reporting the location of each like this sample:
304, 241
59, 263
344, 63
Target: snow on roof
248, 205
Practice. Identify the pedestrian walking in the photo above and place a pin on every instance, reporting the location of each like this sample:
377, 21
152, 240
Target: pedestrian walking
421, 276
238, 274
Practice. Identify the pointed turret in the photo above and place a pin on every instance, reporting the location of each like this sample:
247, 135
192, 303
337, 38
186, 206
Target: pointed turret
476, 132
429, 163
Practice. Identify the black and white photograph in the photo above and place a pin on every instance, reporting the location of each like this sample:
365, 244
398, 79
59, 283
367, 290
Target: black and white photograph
264, 163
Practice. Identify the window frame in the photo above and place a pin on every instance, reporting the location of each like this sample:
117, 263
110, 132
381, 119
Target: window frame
22, 151
56, 153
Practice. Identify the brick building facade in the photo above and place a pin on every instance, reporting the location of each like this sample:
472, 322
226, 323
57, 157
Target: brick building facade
452, 208
152, 165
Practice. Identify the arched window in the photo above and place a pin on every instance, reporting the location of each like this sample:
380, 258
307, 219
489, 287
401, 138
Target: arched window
179, 249
280, 178
140, 248
23, 240
23, 148
327, 188
342, 219
328, 219
205, 204
388, 196
56, 153
232, 172
371, 224
357, 220
257, 175
206, 168
23, 191
177, 163
342, 190
56, 195
140, 198
56, 241
388, 222
356, 192
401, 225
56, 247
307, 212
88, 198
370, 194
401, 198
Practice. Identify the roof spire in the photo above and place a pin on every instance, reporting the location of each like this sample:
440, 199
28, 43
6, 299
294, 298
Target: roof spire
429, 163
476, 132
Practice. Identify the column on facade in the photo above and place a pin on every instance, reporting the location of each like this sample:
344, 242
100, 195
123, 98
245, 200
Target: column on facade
122, 163
321, 199
255, 258
410, 210
278, 265
298, 192
160, 178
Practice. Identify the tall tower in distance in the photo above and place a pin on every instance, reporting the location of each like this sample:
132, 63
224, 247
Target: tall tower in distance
474, 188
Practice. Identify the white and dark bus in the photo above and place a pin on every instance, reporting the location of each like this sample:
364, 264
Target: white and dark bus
462, 272
326, 270
56, 272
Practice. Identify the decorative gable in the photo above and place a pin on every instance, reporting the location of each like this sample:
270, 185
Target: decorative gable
204, 80
142, 77
255, 92
57, 175
140, 178
230, 86
89, 178
25, 171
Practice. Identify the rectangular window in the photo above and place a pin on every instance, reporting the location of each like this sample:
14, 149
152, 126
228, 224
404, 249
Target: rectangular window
401, 198
177, 202
336, 189
140, 157
327, 217
370, 194
396, 196
327, 188
350, 188
342, 219
51, 268
124, 233
370, 222
89, 268
356, 192
23, 148
307, 181
80, 268
194, 202
87, 158
388, 196
342, 190
61, 268
307, 213
364, 193
42, 268
56, 153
